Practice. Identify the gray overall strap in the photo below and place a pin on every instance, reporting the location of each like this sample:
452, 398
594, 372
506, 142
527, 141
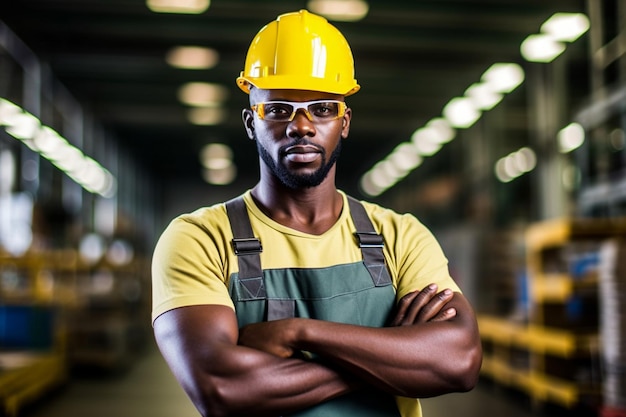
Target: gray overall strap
370, 242
247, 248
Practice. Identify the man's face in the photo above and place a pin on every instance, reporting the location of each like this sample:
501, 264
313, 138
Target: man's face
300, 152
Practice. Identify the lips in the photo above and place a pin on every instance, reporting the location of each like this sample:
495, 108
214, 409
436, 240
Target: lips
302, 153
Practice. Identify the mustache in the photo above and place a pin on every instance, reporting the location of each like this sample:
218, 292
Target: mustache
301, 141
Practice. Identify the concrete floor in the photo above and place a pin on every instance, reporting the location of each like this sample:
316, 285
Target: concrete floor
148, 389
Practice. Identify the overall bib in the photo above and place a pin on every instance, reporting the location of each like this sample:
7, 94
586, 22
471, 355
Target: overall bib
359, 293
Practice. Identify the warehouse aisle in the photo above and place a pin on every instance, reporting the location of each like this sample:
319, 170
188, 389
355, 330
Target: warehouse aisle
149, 389
146, 389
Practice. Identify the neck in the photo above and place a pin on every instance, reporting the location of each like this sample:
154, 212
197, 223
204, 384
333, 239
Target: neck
311, 210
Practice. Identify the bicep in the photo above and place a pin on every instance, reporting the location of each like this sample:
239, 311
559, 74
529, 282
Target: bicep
192, 338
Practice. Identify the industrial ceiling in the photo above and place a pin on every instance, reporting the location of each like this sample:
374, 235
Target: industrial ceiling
411, 58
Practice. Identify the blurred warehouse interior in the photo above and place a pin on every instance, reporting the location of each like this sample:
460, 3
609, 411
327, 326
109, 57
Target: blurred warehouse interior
500, 125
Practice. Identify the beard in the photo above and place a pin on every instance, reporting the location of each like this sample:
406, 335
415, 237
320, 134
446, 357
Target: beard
295, 181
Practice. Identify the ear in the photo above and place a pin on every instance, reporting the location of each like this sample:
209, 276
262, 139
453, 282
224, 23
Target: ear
345, 123
247, 115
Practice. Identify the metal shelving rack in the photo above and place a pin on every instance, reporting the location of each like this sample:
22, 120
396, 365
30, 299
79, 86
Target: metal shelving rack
554, 356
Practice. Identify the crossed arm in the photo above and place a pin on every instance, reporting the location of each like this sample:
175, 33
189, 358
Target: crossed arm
431, 347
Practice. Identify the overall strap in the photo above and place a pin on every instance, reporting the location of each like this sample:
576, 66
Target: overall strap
247, 248
370, 242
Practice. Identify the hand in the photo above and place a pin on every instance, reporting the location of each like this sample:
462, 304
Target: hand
269, 336
423, 306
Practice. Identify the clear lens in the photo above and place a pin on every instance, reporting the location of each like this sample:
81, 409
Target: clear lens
285, 111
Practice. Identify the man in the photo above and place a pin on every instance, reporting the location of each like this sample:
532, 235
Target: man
295, 299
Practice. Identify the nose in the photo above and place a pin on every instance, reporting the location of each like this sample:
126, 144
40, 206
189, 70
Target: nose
301, 125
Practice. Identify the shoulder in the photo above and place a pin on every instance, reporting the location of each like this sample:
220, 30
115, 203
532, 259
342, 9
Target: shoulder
383, 217
203, 226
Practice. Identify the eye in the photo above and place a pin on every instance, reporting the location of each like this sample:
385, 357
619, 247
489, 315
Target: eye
278, 110
326, 109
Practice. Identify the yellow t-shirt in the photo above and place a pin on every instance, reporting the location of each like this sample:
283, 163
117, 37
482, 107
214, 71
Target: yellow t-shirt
193, 259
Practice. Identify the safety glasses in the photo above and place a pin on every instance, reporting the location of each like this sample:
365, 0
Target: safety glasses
315, 111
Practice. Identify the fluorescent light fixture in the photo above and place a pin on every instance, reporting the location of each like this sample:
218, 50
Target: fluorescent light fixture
178, 6
503, 77
220, 176
8, 112
340, 10
541, 48
405, 156
216, 156
206, 116
24, 126
566, 27
570, 137
49, 141
379, 177
483, 96
525, 160
392, 171
192, 57
88, 173
423, 142
515, 164
200, 94
461, 112
441, 131
368, 187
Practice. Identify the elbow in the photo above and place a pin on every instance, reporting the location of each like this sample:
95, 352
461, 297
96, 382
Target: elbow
468, 369
213, 401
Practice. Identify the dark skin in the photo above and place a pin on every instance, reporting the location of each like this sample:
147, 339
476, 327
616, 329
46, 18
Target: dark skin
433, 336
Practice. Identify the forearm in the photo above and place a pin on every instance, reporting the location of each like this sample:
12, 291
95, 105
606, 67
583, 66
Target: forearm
248, 382
419, 360
223, 379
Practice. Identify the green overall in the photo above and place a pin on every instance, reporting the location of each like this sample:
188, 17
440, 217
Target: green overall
360, 293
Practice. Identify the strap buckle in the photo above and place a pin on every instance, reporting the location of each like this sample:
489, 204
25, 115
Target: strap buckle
247, 246
369, 240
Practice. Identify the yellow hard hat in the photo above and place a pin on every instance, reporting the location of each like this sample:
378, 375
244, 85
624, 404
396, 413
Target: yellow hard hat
301, 51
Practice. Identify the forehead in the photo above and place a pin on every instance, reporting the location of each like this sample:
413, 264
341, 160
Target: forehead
258, 95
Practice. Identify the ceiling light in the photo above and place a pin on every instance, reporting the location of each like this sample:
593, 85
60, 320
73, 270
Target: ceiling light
380, 178
200, 94
525, 159
220, 176
216, 156
192, 57
441, 130
341, 10
206, 116
570, 137
24, 126
368, 187
461, 112
178, 6
405, 157
566, 27
541, 48
423, 141
515, 164
483, 96
49, 141
392, 171
8, 112
503, 77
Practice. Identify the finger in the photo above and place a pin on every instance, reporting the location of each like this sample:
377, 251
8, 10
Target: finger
420, 301
445, 314
434, 306
402, 307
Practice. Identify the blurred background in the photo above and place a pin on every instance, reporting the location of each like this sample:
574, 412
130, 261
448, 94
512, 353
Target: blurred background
500, 125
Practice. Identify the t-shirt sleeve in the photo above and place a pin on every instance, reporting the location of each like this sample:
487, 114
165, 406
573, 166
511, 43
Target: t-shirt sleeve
420, 259
188, 268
